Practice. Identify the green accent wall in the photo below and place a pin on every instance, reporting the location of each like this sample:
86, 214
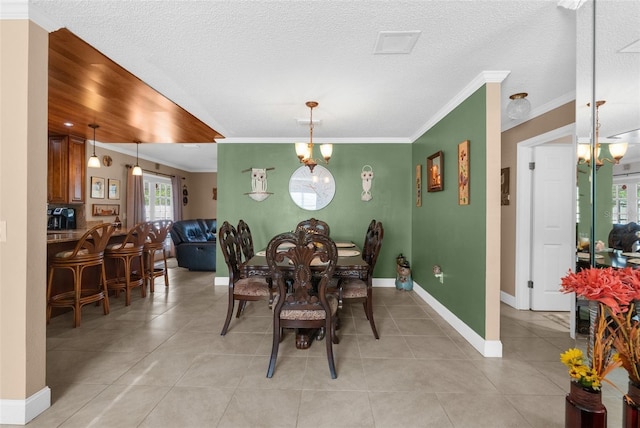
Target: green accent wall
603, 205
347, 215
448, 234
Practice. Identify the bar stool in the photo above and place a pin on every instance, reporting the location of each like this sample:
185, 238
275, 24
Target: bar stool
89, 251
124, 254
155, 242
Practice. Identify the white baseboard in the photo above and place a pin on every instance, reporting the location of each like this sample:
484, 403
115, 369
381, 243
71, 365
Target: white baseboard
488, 348
508, 299
20, 412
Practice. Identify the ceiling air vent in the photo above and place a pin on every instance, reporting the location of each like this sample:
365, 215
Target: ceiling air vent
396, 42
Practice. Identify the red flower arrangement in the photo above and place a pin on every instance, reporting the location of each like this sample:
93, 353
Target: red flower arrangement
615, 288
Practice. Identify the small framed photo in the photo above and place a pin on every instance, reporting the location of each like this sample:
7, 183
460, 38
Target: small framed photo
463, 173
114, 189
105, 209
504, 186
435, 172
97, 187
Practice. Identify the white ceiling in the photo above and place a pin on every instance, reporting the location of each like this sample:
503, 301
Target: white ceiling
247, 68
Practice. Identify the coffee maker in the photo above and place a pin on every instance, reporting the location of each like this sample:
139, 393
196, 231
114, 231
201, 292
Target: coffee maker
61, 218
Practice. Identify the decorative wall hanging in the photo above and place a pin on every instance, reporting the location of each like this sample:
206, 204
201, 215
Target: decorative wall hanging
215, 193
114, 189
105, 209
463, 173
97, 187
258, 183
504, 186
435, 172
185, 195
367, 177
418, 185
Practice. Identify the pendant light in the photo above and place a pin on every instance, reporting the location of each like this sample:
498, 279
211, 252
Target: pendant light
136, 169
94, 162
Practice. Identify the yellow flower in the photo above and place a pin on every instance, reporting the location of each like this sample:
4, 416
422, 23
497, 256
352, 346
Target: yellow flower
572, 357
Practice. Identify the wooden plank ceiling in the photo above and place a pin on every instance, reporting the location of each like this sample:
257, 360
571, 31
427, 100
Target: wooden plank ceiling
87, 87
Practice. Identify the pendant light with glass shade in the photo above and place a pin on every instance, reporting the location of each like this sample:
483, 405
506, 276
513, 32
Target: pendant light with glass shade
94, 162
136, 169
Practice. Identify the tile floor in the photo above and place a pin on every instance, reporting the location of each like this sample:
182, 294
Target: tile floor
161, 362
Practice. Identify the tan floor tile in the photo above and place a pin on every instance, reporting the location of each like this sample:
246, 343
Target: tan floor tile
415, 409
65, 401
406, 311
157, 369
476, 410
434, 347
349, 371
189, 407
249, 409
220, 371
529, 407
385, 347
118, 406
385, 326
328, 409
88, 367
418, 327
288, 374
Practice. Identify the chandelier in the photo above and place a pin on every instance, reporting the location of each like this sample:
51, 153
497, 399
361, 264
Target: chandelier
305, 150
617, 150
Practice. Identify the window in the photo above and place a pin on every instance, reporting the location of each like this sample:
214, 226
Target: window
158, 197
619, 204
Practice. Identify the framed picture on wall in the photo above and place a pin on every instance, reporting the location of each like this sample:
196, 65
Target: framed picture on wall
435, 172
114, 189
97, 187
504, 186
418, 185
105, 209
463, 173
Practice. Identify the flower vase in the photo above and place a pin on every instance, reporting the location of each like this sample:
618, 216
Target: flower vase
631, 406
584, 408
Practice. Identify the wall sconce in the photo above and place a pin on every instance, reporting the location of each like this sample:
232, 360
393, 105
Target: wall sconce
519, 106
617, 149
94, 162
304, 151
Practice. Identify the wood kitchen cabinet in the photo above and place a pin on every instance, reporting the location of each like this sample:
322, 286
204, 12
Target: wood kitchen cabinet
66, 171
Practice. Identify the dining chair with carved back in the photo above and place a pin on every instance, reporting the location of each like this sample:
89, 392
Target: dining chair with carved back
306, 304
357, 290
245, 239
313, 225
242, 289
127, 256
158, 232
88, 252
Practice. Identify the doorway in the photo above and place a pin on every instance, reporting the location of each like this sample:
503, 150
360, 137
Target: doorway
545, 219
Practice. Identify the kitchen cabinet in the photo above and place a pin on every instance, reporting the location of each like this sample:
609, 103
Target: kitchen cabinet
66, 173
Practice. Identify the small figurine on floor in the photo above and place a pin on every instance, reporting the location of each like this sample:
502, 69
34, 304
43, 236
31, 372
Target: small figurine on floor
403, 276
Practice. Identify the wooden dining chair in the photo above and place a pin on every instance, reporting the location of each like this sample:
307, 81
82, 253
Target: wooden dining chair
245, 239
357, 290
240, 289
313, 225
305, 305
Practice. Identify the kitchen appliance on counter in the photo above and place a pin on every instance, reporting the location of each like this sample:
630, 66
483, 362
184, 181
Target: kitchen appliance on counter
61, 218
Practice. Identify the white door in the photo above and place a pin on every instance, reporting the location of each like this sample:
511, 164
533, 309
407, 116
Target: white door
553, 226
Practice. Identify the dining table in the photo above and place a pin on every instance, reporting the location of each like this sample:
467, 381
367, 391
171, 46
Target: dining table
350, 264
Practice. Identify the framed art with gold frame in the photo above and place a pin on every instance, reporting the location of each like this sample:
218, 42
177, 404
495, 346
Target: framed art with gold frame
463, 173
435, 172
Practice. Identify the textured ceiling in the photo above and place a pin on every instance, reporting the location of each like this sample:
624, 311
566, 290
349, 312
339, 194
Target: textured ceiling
247, 68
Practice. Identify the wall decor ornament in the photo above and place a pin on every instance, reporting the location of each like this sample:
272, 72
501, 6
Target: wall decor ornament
435, 172
114, 189
367, 177
258, 184
99, 210
463, 173
418, 185
185, 195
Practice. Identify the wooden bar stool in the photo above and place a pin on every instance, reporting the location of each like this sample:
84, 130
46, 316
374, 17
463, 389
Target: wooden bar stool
124, 255
155, 242
89, 251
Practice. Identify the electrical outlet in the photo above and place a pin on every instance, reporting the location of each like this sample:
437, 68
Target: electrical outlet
3, 231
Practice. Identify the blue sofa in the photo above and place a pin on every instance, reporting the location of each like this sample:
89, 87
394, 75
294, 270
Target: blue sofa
195, 243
